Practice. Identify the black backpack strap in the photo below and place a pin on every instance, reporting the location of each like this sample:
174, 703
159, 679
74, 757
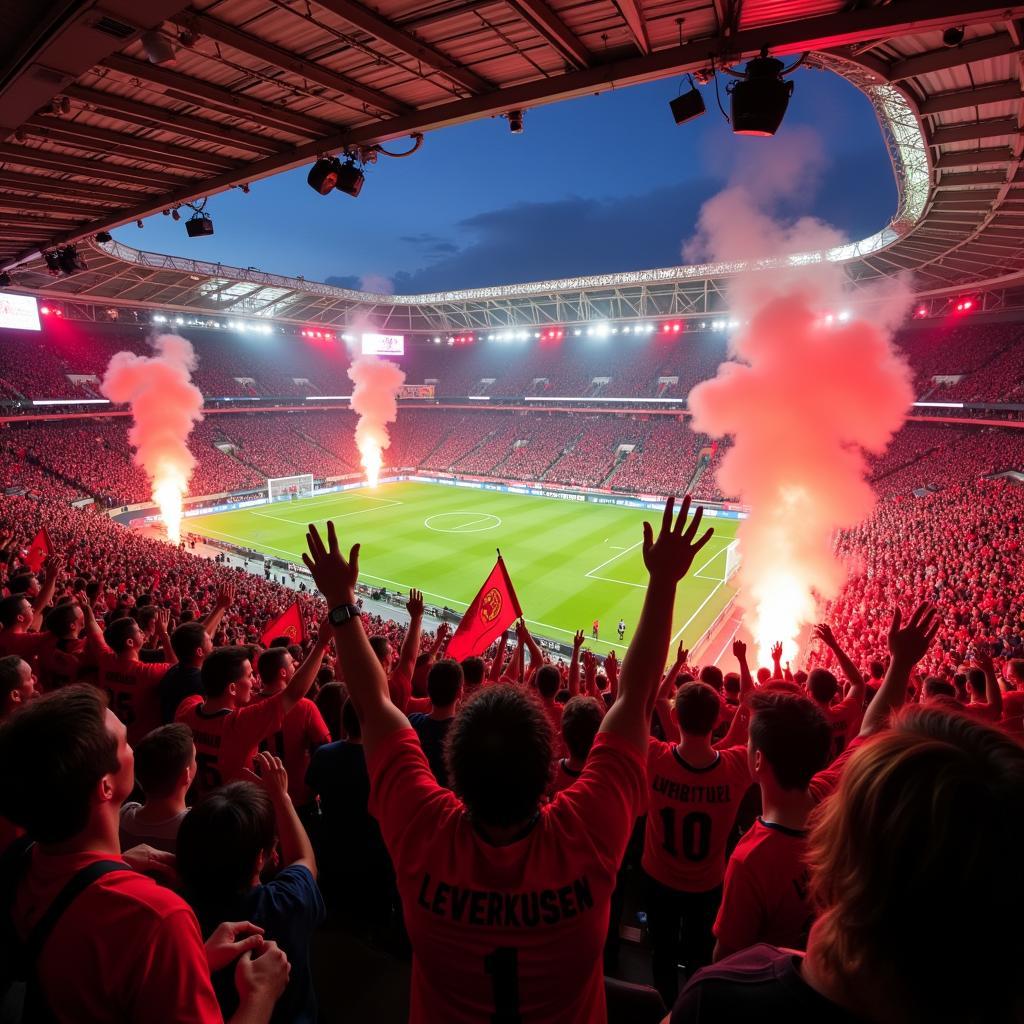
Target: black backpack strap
76, 885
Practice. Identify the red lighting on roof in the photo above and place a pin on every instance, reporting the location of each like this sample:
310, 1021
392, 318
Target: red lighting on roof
45, 310
965, 305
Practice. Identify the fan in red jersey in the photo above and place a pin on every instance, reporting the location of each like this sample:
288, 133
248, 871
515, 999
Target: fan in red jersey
507, 900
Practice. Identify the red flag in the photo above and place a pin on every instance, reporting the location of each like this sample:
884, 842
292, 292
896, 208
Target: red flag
493, 610
289, 624
39, 550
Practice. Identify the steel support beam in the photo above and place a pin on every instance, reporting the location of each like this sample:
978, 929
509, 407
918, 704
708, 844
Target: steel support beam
634, 19
969, 131
960, 99
28, 157
974, 157
952, 56
551, 27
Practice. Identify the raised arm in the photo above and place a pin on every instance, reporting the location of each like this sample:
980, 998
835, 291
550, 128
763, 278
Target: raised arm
299, 684
777, 661
668, 558
574, 664
993, 694
823, 632
225, 598
54, 565
335, 578
163, 620
494, 674
907, 646
411, 644
739, 652
295, 845
536, 656
611, 670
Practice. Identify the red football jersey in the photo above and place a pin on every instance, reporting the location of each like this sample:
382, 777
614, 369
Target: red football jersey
826, 782
226, 740
126, 949
844, 720
1013, 713
562, 777
131, 687
303, 731
506, 933
765, 898
690, 812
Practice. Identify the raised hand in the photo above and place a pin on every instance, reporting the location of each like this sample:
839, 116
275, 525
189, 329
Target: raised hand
611, 666
777, 652
325, 633
682, 656
442, 633
414, 606
910, 643
226, 595
163, 620
739, 650
271, 775
334, 575
669, 556
578, 640
823, 632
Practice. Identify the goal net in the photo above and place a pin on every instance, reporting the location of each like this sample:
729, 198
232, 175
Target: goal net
732, 559
289, 488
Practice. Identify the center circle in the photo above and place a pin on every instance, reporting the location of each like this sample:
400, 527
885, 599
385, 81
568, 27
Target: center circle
464, 522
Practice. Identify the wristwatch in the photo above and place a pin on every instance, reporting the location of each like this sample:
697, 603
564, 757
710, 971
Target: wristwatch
343, 613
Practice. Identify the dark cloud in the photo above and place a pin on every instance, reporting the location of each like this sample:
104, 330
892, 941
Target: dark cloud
344, 281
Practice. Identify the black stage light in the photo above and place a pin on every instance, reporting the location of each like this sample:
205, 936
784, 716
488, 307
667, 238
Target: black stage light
515, 122
157, 47
5, 280
323, 175
52, 263
953, 36
199, 224
104, 236
760, 98
688, 105
69, 260
350, 179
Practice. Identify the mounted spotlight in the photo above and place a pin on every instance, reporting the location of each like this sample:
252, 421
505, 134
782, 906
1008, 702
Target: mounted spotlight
687, 105
175, 214
515, 121
52, 263
761, 96
103, 237
69, 260
350, 178
323, 175
953, 36
198, 225
158, 49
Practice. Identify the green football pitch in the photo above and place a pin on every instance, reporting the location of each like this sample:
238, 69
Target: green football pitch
570, 562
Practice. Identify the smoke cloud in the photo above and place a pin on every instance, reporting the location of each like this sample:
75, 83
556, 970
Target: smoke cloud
374, 398
377, 283
165, 406
813, 383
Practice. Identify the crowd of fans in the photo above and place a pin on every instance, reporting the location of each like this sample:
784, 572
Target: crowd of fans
216, 803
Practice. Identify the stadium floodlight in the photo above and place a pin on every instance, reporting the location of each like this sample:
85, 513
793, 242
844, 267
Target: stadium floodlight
157, 47
687, 105
323, 175
760, 97
515, 121
350, 178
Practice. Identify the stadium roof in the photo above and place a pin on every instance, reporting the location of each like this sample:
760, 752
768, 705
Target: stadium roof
96, 135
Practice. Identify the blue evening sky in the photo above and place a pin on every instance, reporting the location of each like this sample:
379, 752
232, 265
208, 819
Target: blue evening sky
599, 184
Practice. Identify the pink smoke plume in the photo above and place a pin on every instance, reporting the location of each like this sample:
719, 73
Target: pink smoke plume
374, 398
813, 384
165, 406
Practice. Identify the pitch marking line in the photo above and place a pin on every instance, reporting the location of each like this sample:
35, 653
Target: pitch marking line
608, 561
493, 522
643, 586
309, 519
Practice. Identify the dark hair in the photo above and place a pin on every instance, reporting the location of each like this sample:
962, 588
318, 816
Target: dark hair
876, 670
473, 670
444, 681
219, 841
933, 805
21, 583
329, 700
697, 708
222, 667
731, 683
379, 644
53, 752
350, 720
581, 718
822, 684
936, 686
145, 614
1016, 668
186, 639
270, 663
11, 607
60, 619
793, 734
548, 680
160, 758
118, 633
498, 754
10, 672
712, 675
976, 681
280, 641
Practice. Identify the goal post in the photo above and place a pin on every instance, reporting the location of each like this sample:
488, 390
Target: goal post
732, 559
289, 488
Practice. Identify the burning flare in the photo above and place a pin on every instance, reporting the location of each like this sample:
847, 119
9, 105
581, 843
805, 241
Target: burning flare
165, 406
811, 387
376, 384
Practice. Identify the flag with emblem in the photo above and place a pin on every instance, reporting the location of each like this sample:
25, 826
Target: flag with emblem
289, 624
493, 610
39, 550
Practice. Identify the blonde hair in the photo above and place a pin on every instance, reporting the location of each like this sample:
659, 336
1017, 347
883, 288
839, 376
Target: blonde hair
914, 861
